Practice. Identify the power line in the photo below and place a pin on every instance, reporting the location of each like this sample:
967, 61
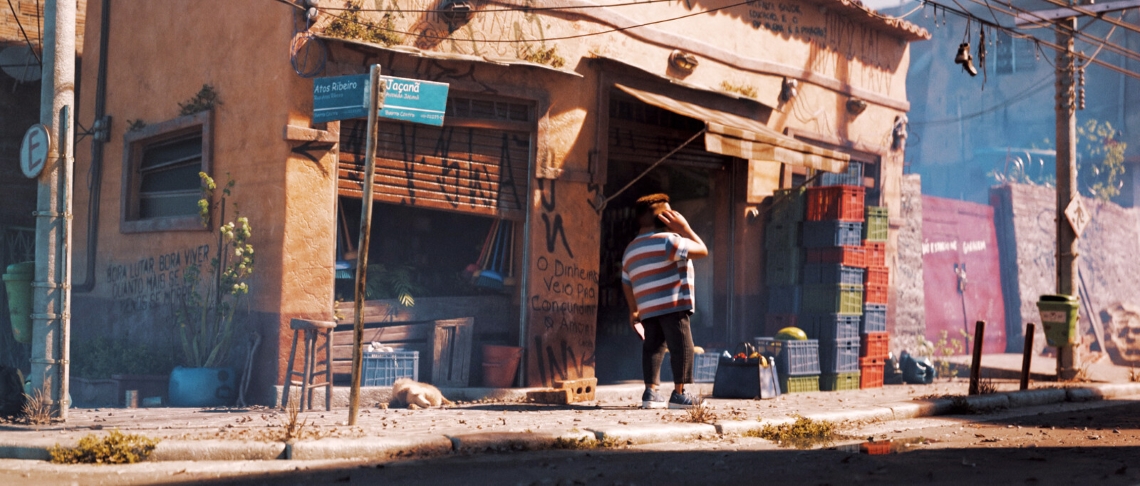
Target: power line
25, 34
1076, 33
1032, 90
513, 9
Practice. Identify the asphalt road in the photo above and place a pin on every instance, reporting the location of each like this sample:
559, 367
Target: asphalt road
1063, 444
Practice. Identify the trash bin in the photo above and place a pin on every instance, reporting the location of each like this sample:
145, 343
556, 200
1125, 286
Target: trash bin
1059, 318
18, 283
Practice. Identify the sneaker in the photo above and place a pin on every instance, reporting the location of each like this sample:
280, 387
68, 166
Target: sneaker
652, 399
683, 400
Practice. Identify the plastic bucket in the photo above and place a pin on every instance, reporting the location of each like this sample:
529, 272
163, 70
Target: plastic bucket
18, 284
500, 363
202, 387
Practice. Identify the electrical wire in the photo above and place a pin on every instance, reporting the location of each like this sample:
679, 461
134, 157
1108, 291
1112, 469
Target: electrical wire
1015, 11
25, 34
514, 9
547, 39
1032, 90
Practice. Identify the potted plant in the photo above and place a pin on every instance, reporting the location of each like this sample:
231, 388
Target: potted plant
206, 312
105, 367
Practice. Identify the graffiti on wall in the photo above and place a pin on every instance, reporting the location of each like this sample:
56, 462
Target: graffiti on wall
152, 281
564, 308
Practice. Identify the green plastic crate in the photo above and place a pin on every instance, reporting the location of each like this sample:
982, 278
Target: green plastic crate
876, 225
843, 299
799, 384
779, 235
788, 205
839, 381
783, 266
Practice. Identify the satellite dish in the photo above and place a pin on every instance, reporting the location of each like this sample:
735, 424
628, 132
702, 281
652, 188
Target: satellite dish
20, 63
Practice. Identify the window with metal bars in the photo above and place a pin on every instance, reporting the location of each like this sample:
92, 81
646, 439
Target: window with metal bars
161, 183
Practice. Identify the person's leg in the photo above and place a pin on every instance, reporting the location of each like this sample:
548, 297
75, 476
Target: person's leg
652, 352
679, 338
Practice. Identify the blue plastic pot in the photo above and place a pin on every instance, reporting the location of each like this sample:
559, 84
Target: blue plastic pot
202, 387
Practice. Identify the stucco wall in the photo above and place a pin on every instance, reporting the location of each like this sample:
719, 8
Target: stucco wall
1107, 265
906, 277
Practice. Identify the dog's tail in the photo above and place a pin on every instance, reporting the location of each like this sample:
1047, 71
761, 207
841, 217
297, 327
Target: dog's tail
444, 400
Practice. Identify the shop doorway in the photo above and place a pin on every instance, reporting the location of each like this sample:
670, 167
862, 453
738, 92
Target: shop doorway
699, 185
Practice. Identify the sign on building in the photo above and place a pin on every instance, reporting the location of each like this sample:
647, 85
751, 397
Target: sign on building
411, 100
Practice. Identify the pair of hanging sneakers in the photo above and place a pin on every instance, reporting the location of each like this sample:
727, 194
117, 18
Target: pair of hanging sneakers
966, 59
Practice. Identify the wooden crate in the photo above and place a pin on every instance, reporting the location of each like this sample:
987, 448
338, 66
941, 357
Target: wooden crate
446, 341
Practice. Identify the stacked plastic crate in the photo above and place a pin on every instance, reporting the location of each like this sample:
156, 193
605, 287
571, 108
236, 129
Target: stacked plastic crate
875, 342
833, 275
784, 259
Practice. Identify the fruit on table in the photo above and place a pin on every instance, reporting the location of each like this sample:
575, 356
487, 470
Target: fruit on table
791, 334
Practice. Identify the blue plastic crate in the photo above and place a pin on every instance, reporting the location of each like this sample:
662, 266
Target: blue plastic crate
781, 234
826, 234
704, 367
783, 266
832, 273
793, 358
784, 300
853, 176
384, 368
839, 356
874, 318
829, 327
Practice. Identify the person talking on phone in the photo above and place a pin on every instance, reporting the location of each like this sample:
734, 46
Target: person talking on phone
657, 278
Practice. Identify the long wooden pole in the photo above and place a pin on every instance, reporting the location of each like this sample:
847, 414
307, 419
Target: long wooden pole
1027, 355
375, 102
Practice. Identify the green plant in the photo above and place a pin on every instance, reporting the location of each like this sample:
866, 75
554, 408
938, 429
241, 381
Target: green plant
396, 282
700, 413
741, 89
802, 434
292, 422
539, 55
1101, 162
574, 443
115, 448
350, 25
102, 357
205, 315
37, 407
205, 99
944, 349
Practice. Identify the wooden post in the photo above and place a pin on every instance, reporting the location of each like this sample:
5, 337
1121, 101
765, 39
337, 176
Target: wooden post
976, 362
1027, 355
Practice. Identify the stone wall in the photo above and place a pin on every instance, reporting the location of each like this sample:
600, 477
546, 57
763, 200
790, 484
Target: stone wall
1110, 290
909, 323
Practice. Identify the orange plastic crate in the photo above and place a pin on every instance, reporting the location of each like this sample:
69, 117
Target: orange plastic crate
870, 373
851, 256
876, 275
835, 203
876, 253
874, 345
874, 294
876, 448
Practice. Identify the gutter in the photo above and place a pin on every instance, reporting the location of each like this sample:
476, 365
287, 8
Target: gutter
95, 183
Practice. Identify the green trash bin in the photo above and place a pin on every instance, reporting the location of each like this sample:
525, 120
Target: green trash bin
1059, 318
18, 284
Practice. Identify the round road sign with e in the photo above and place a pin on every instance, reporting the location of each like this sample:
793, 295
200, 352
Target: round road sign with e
34, 150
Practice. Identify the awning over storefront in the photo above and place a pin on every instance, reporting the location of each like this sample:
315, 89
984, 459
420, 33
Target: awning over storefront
736, 136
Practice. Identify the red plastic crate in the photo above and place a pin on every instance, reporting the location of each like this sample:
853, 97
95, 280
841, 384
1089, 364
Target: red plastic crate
851, 256
876, 448
876, 275
876, 253
835, 203
870, 373
874, 345
874, 294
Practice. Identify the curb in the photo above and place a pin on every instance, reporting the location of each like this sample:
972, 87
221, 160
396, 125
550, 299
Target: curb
388, 448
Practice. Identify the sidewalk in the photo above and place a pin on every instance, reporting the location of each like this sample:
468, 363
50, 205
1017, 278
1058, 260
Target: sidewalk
497, 419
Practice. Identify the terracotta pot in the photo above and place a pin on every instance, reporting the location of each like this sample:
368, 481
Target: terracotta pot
500, 363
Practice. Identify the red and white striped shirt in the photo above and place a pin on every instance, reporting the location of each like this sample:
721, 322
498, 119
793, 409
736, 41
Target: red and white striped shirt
657, 267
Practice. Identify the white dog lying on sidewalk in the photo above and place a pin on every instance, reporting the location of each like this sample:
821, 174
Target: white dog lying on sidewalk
413, 394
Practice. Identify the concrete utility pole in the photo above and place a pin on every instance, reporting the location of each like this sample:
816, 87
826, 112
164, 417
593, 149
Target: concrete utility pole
1068, 359
51, 318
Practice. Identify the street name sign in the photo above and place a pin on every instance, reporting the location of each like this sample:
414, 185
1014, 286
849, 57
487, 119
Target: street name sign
340, 98
34, 150
414, 100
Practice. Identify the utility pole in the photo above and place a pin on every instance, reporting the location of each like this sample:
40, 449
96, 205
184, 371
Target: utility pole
51, 303
1068, 358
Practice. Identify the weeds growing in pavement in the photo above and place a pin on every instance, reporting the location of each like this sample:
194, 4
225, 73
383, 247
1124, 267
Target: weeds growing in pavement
699, 413
944, 349
115, 448
1133, 374
804, 433
986, 386
575, 443
37, 407
292, 423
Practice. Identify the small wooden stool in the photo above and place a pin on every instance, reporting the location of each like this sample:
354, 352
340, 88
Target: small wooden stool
310, 330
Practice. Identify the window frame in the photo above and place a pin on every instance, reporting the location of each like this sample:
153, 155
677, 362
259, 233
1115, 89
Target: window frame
134, 144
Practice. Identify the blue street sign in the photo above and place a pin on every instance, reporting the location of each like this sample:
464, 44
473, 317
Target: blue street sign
340, 98
414, 100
